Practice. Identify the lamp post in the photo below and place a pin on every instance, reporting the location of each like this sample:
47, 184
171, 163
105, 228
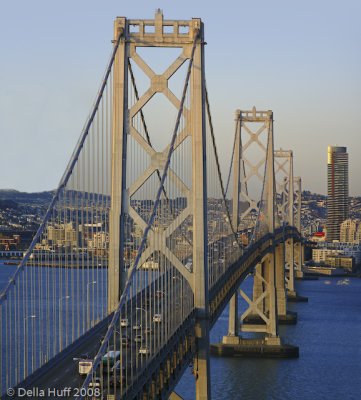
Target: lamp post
87, 302
26, 344
60, 322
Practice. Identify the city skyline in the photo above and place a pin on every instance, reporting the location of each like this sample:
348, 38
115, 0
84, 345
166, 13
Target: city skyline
307, 77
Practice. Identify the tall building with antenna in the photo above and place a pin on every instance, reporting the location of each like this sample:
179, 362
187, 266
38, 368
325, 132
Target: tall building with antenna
337, 190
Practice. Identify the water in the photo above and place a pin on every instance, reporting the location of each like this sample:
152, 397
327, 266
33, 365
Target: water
63, 306
328, 333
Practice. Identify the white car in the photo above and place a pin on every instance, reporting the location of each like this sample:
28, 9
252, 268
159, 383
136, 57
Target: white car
124, 323
144, 350
85, 366
157, 318
95, 383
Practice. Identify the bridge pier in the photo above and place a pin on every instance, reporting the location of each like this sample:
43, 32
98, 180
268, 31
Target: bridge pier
269, 301
289, 264
292, 261
262, 314
299, 260
233, 322
285, 317
262, 310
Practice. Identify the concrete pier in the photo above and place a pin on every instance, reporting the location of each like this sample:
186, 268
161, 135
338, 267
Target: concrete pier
296, 298
258, 348
308, 278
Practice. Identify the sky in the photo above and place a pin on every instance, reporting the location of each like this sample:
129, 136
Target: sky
302, 59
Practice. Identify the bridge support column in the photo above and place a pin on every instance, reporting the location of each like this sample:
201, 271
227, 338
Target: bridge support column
116, 272
200, 238
280, 281
233, 323
261, 316
298, 273
285, 317
290, 263
270, 274
259, 286
298, 260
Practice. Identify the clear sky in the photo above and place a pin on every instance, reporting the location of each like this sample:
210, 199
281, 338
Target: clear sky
302, 59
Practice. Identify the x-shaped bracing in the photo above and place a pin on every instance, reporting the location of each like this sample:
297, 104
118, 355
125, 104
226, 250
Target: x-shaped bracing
157, 236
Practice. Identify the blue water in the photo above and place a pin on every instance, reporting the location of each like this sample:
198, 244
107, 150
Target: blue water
328, 333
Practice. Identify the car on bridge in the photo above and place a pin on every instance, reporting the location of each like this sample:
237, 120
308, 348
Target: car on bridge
95, 383
144, 351
124, 323
157, 318
84, 367
110, 358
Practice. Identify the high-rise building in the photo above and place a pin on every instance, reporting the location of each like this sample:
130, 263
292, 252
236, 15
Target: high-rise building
337, 185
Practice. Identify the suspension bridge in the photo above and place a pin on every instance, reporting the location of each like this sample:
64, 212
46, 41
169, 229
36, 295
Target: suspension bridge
143, 245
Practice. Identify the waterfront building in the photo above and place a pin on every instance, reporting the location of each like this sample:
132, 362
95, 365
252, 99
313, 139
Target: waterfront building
320, 255
99, 244
350, 231
341, 261
337, 191
62, 235
337, 248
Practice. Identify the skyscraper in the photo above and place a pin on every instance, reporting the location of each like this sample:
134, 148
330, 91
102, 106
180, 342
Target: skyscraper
337, 190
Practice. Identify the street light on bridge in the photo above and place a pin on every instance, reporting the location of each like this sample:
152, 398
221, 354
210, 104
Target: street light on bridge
146, 321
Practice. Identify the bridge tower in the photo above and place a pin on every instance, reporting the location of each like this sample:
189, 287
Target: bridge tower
285, 192
258, 216
286, 251
162, 33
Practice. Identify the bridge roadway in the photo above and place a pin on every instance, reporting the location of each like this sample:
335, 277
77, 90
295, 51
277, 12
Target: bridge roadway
63, 370
173, 358
180, 350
